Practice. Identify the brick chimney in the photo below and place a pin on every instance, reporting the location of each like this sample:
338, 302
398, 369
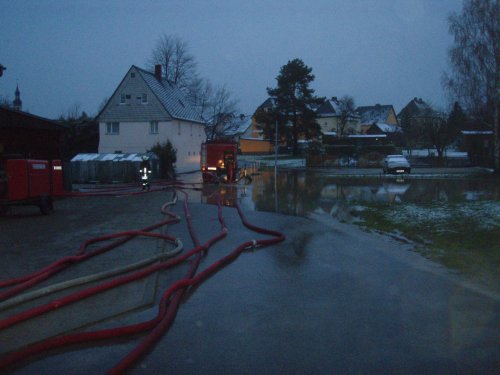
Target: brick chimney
158, 72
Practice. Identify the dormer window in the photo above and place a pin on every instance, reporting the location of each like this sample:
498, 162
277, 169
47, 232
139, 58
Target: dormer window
144, 98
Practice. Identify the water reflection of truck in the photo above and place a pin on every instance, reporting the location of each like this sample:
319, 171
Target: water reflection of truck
219, 161
226, 194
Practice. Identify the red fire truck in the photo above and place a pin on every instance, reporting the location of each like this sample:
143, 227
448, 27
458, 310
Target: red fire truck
219, 161
30, 182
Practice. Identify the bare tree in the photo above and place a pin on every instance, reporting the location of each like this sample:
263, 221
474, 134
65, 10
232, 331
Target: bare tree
475, 61
222, 110
179, 68
347, 108
199, 94
74, 112
178, 65
437, 130
5, 102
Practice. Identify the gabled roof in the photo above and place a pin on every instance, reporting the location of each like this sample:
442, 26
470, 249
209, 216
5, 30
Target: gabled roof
11, 118
416, 107
171, 97
329, 108
374, 114
241, 124
268, 103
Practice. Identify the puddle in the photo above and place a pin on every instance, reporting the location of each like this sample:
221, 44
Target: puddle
300, 193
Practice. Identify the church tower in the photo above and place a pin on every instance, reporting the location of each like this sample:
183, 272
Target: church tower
17, 103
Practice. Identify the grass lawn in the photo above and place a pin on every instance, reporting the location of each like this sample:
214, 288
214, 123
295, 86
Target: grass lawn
464, 237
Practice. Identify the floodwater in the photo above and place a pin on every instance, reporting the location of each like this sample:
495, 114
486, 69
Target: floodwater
300, 193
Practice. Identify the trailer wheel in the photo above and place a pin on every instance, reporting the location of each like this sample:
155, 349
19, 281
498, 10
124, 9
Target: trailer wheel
45, 205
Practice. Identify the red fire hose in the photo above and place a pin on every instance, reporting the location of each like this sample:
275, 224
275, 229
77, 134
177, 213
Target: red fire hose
169, 302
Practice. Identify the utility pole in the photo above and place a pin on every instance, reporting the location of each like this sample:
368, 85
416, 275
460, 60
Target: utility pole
276, 168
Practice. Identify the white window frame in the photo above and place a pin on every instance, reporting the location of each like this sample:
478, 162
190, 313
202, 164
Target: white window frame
112, 128
153, 127
122, 98
144, 98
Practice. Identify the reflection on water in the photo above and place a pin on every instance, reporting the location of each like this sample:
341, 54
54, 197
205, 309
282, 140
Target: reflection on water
300, 192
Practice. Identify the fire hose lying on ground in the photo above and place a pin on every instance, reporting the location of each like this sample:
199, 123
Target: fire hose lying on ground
170, 300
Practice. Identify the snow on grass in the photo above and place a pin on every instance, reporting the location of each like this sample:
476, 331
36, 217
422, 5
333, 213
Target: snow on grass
486, 214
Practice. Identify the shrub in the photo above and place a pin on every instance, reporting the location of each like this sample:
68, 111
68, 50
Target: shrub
168, 156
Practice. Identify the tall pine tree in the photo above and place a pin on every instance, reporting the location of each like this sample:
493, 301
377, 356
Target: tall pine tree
295, 102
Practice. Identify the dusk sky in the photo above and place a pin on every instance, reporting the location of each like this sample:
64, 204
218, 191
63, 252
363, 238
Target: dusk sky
67, 52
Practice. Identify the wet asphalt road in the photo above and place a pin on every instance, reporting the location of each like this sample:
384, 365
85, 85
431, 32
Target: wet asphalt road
330, 299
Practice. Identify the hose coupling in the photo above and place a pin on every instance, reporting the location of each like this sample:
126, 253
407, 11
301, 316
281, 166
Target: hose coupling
253, 245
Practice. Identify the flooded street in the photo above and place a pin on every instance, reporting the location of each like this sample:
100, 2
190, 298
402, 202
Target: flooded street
331, 298
300, 193
454, 220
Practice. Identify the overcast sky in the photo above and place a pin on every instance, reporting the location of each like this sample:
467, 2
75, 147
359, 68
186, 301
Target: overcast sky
67, 52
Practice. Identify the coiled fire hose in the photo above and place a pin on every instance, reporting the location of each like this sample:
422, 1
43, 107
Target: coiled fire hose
168, 304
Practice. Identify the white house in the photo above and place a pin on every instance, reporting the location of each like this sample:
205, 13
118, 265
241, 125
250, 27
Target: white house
146, 109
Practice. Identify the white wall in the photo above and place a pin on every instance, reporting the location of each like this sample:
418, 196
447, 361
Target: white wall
135, 137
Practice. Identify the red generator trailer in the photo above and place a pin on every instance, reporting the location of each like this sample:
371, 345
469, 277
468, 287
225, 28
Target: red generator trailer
219, 161
30, 182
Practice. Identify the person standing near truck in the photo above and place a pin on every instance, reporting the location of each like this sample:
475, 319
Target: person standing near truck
145, 171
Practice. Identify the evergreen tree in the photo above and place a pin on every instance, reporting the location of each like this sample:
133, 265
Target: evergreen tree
168, 156
294, 103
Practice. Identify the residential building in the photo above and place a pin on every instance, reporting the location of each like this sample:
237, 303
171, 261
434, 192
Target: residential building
146, 109
328, 117
238, 127
253, 141
384, 116
415, 108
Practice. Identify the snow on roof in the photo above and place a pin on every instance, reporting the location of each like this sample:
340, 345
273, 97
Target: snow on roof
240, 127
388, 128
171, 97
114, 157
374, 114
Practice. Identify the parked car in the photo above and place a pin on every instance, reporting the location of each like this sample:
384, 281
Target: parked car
396, 164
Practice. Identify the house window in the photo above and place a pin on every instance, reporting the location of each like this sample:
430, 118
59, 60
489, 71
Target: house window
132, 75
153, 127
122, 99
112, 128
144, 98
